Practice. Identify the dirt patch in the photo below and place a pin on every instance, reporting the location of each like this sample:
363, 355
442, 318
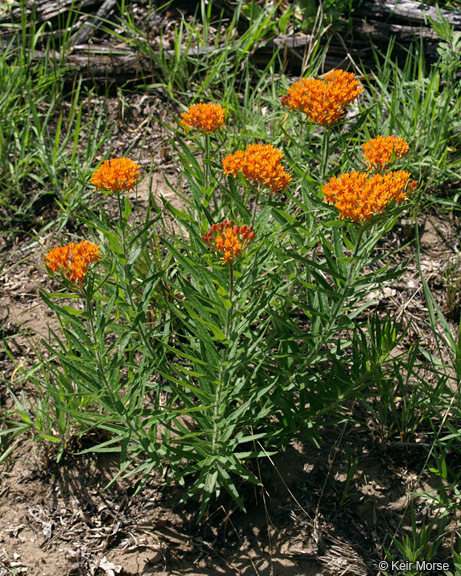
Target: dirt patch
59, 520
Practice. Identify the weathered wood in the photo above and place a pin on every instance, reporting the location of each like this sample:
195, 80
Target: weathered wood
381, 33
105, 62
86, 30
109, 64
46, 9
374, 23
407, 10
362, 32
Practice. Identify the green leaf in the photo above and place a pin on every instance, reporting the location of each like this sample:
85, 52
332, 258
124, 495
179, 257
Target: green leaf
52, 439
127, 209
72, 311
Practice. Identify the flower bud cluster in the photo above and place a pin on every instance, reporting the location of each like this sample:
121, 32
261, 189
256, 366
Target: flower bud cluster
228, 240
380, 151
323, 101
205, 118
359, 195
116, 175
260, 163
73, 260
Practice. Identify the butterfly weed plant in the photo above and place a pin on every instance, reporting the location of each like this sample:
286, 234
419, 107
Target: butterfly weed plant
196, 351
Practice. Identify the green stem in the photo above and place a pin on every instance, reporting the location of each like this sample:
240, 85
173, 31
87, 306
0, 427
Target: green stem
206, 169
352, 269
325, 153
306, 143
255, 206
231, 289
122, 223
206, 159
217, 400
338, 306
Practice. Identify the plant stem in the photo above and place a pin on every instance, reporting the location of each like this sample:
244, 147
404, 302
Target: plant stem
122, 223
217, 400
339, 304
305, 141
231, 289
352, 269
325, 152
206, 169
206, 158
255, 205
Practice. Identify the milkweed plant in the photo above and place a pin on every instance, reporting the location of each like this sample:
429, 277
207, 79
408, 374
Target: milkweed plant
197, 347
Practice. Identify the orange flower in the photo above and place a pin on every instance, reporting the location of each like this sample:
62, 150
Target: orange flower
73, 259
323, 101
117, 175
359, 196
379, 151
229, 240
205, 118
261, 163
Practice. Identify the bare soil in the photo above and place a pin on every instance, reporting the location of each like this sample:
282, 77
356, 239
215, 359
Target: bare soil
59, 520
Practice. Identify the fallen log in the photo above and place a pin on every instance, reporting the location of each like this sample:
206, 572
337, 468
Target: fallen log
407, 11
45, 10
87, 29
373, 23
103, 63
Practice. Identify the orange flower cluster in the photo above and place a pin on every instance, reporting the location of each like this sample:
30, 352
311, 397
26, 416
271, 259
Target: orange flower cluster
261, 163
323, 101
379, 151
205, 118
229, 240
73, 259
359, 196
117, 175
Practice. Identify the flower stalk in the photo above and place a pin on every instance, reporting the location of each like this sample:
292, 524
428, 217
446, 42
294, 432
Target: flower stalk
228, 240
219, 385
325, 152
